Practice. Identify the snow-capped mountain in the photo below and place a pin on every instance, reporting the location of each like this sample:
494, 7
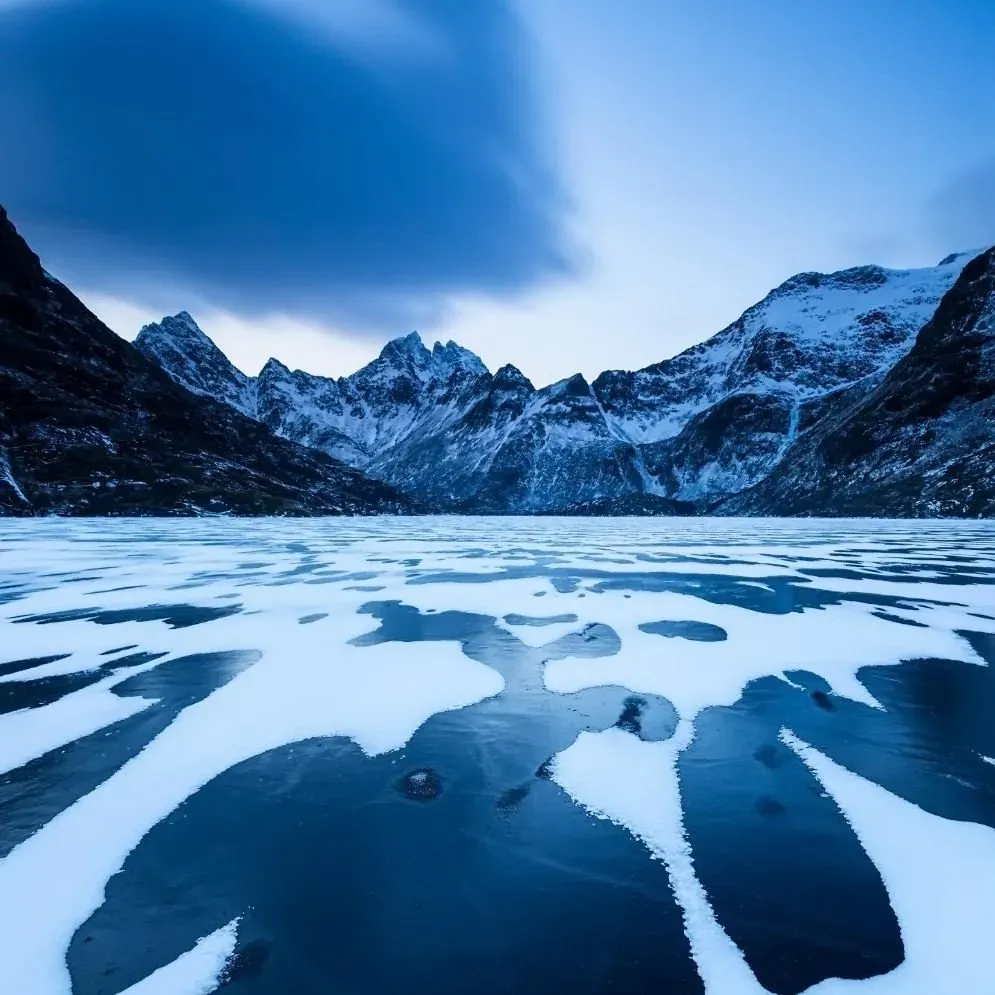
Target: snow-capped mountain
720, 416
708, 423
921, 442
89, 426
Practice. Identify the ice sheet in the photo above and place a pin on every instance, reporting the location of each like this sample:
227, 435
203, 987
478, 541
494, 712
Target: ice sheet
311, 682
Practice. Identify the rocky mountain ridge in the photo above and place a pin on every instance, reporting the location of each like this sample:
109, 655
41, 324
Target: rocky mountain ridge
921, 442
88, 425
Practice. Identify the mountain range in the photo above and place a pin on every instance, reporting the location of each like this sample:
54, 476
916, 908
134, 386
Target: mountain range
862, 392
699, 432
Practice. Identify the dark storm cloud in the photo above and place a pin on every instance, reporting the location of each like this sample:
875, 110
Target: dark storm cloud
265, 163
961, 215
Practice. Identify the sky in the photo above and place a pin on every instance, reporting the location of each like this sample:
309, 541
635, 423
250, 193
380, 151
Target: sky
560, 184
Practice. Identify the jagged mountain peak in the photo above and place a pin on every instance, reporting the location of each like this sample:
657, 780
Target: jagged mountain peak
406, 349
856, 278
410, 354
273, 367
869, 277
179, 345
456, 357
274, 370
178, 332
511, 376
184, 318
575, 386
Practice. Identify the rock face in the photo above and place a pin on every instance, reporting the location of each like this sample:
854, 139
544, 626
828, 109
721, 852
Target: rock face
692, 430
88, 425
719, 417
919, 443
178, 345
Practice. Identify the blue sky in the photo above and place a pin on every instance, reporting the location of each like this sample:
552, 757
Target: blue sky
563, 184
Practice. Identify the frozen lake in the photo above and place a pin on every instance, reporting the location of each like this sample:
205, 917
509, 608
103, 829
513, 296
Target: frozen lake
442, 756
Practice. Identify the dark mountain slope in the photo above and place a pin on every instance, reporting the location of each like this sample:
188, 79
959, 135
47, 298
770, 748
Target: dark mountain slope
88, 425
920, 443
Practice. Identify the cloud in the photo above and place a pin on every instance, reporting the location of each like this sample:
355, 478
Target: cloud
361, 162
961, 215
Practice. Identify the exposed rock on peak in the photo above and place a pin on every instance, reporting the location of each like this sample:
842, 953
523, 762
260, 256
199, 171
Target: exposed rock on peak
512, 376
455, 358
575, 386
274, 368
191, 358
408, 349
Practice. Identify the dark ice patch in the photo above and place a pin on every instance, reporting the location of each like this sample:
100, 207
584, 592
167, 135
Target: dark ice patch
546, 770
175, 616
769, 755
38, 692
593, 640
539, 620
511, 799
769, 808
823, 701
630, 720
483, 640
926, 741
900, 620
16, 666
357, 892
788, 879
649, 717
701, 632
565, 584
308, 619
776, 594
